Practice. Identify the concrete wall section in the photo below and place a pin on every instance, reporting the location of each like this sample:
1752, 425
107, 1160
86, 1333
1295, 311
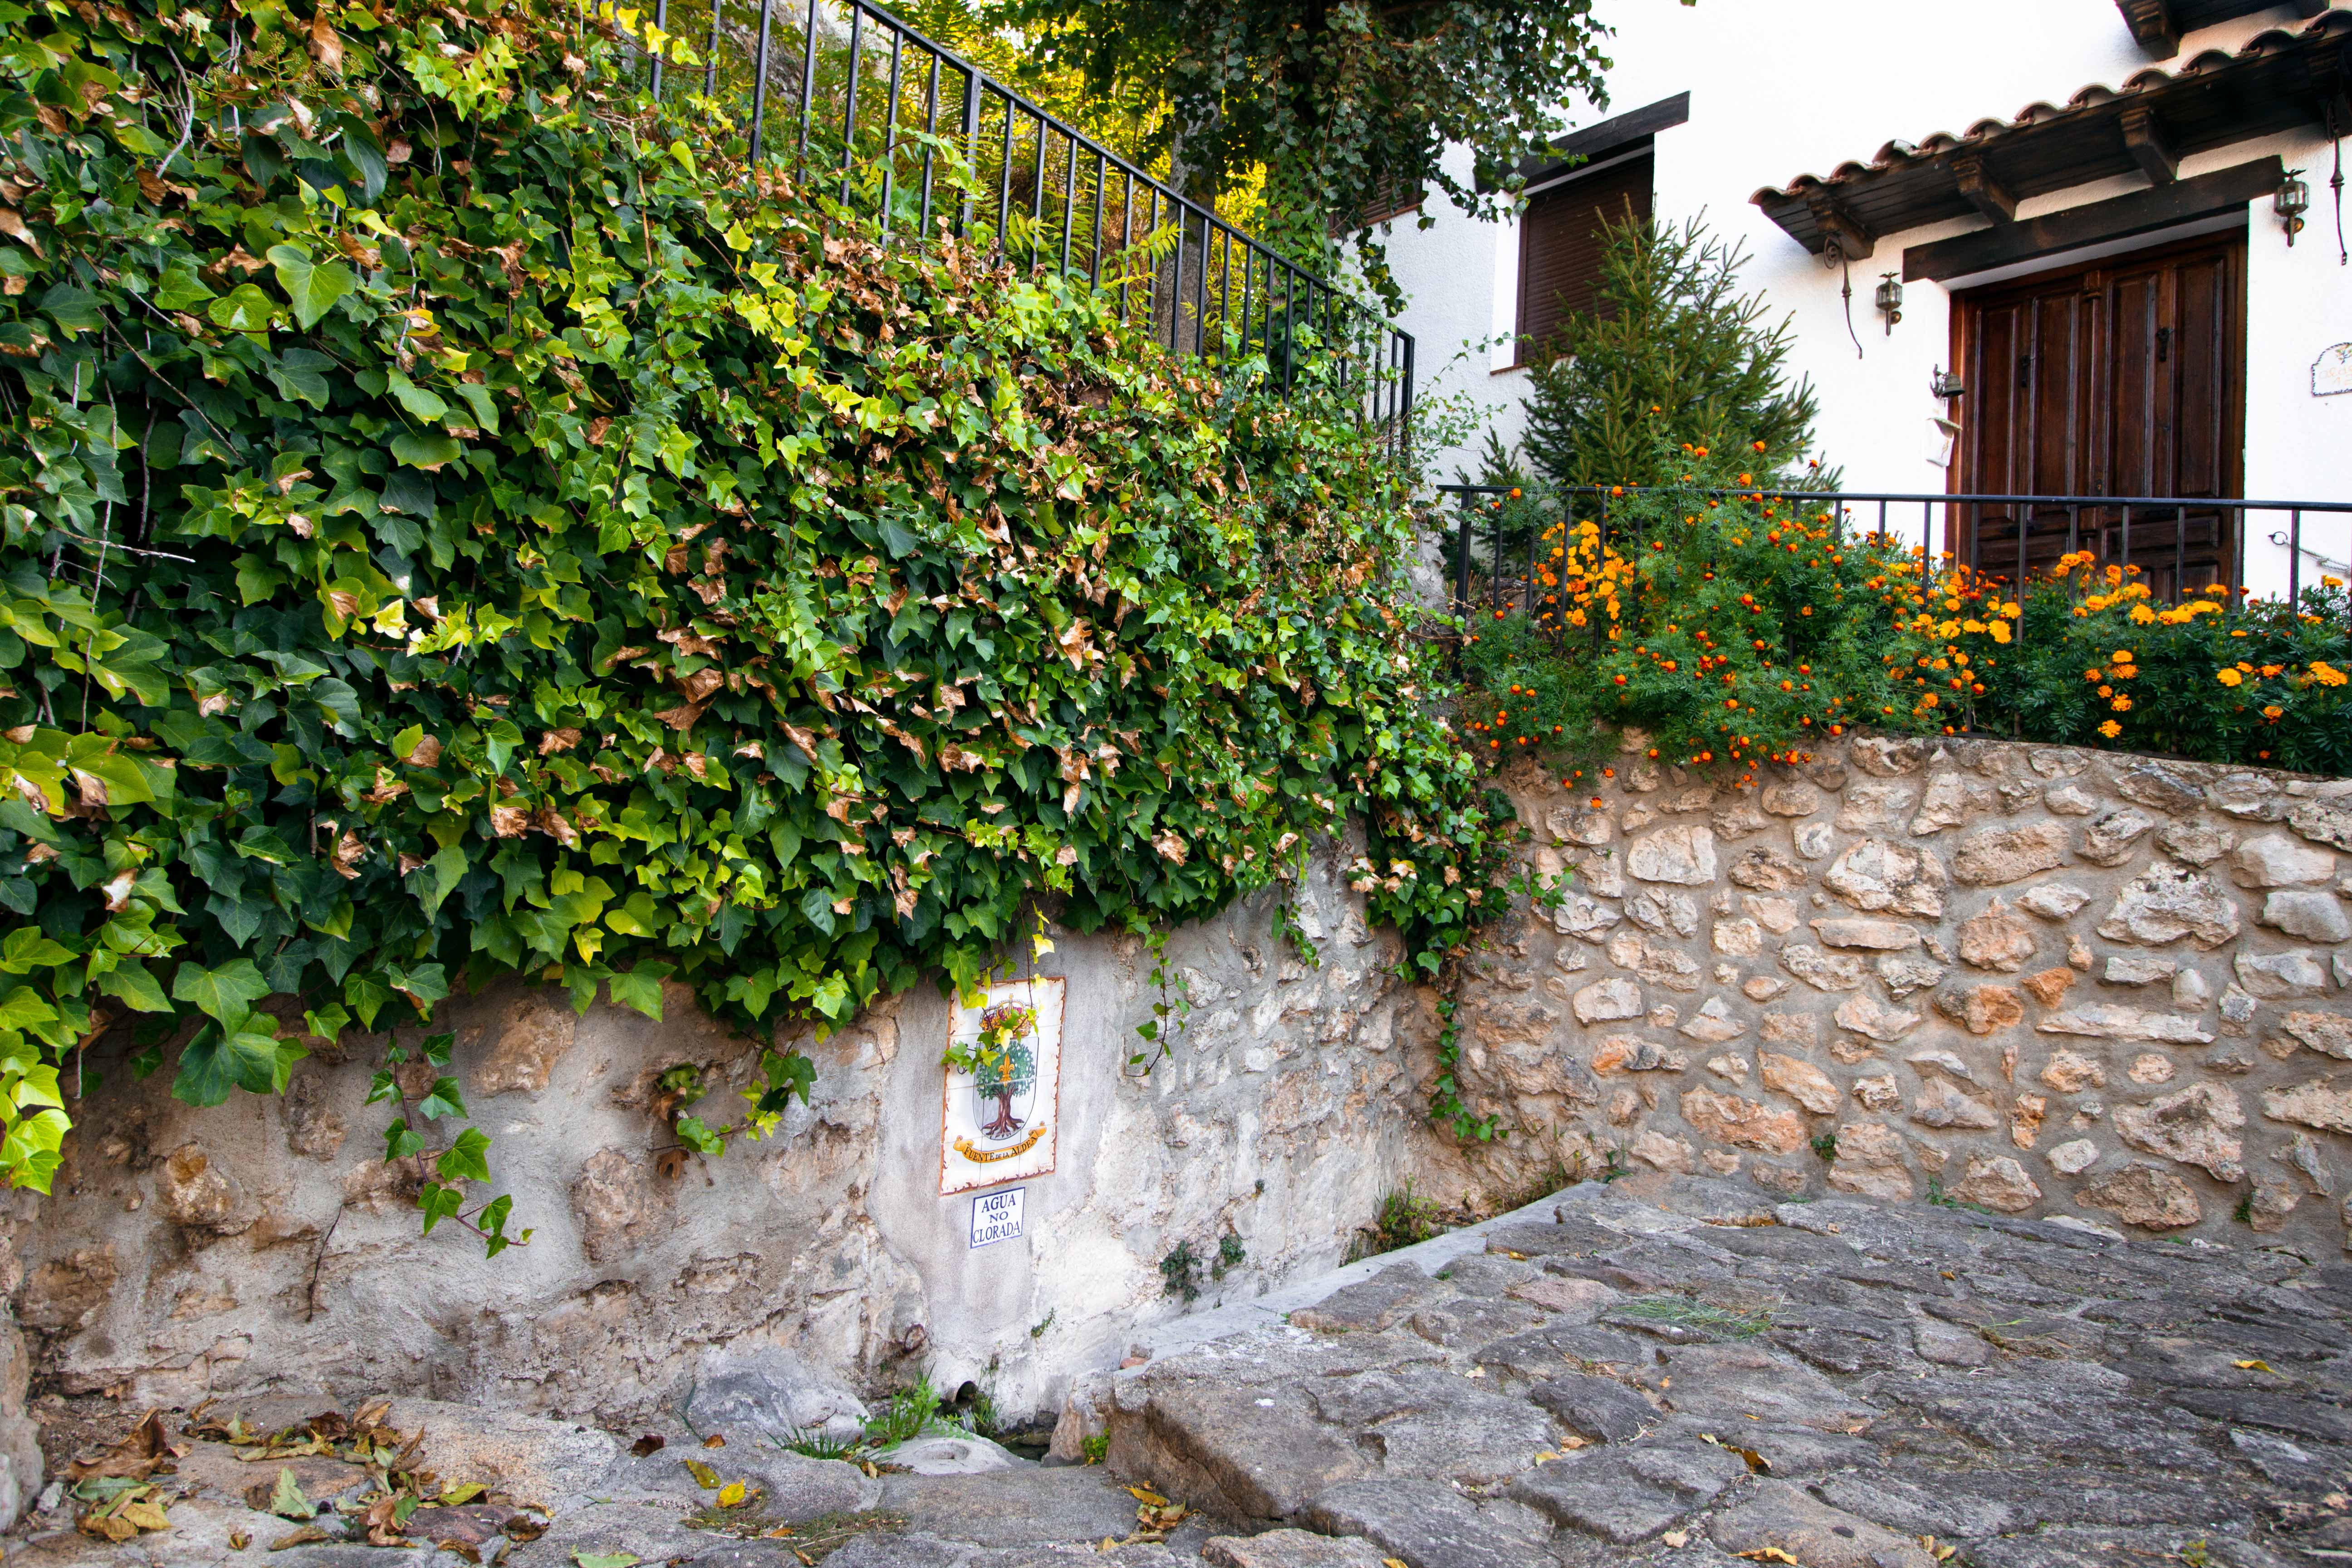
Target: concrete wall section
264, 1246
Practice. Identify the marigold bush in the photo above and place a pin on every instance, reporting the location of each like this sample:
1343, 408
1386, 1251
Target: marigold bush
1733, 627
459, 523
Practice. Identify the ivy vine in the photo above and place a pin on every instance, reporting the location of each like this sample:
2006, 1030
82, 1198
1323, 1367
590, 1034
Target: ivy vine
460, 520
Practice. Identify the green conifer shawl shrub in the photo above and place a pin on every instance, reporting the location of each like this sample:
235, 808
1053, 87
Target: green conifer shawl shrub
460, 522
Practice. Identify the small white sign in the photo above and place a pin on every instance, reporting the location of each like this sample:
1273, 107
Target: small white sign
996, 1216
2331, 374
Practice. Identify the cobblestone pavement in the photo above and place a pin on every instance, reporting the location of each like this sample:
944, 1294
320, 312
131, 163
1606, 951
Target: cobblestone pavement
1664, 1372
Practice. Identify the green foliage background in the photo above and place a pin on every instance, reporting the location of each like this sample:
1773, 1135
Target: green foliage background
459, 523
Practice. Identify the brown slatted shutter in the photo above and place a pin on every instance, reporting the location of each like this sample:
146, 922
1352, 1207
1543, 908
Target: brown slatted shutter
1562, 240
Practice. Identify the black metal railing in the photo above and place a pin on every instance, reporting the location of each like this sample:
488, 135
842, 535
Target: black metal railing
2179, 543
867, 100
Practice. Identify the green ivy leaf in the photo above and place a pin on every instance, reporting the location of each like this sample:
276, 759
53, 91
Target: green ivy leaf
414, 398
464, 1161
439, 1202
640, 989
400, 1143
446, 1098
25, 950
366, 997
313, 288
430, 450
131, 984
243, 309
30, 1153
225, 994
244, 1053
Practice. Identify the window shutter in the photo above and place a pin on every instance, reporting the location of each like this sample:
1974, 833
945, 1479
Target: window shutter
1560, 243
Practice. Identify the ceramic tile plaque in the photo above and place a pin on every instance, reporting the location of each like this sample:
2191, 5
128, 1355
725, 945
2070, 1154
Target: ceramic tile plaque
999, 1124
2331, 374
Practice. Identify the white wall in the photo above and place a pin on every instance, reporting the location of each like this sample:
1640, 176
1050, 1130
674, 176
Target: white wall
1780, 88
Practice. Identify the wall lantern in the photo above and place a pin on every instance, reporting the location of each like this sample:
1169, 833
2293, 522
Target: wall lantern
2293, 200
1890, 300
1946, 383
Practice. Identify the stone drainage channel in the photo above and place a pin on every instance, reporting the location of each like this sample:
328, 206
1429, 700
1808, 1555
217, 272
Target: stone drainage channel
1664, 1369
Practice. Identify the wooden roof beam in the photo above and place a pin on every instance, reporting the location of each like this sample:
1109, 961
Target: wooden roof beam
1839, 226
2152, 25
2144, 138
2331, 86
1983, 190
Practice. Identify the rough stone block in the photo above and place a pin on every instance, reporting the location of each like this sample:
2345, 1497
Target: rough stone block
2166, 903
2146, 1195
2313, 914
1801, 1081
1683, 854
2275, 860
1776, 1517
2274, 975
1730, 1118
1871, 935
1995, 857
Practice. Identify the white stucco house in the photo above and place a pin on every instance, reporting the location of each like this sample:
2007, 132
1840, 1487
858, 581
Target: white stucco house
2079, 200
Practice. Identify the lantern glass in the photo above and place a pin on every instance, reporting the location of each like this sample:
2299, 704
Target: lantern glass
2293, 198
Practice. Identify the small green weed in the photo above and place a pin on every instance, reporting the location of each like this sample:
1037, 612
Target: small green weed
912, 1412
1406, 1218
1706, 1317
1181, 1270
819, 1445
1825, 1146
1094, 1447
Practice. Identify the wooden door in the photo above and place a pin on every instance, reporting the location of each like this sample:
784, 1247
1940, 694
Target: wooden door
2126, 378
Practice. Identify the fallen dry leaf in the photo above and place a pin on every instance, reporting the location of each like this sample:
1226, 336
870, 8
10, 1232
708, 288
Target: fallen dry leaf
382, 1522
302, 1537
2251, 1365
147, 1449
715, 1440
650, 1443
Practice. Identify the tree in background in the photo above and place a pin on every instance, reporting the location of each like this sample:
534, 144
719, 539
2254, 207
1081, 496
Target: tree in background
1340, 104
1671, 333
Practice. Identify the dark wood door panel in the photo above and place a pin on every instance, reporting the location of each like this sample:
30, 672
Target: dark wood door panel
2123, 378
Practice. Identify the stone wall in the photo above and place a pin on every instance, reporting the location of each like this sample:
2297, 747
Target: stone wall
263, 1245
2039, 979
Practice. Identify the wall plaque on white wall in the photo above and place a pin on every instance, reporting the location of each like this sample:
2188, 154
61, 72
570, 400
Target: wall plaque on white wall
2331, 374
996, 1216
1002, 1102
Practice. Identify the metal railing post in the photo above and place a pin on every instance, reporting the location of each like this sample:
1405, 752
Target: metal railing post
808, 81
970, 138
759, 80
